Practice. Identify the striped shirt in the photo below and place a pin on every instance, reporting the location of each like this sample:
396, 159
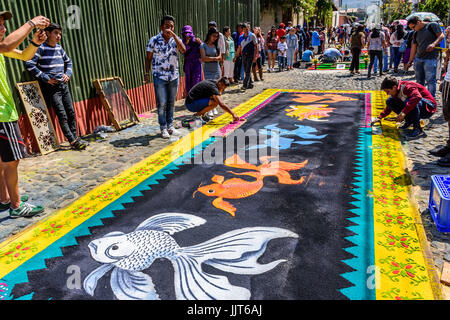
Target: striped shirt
50, 63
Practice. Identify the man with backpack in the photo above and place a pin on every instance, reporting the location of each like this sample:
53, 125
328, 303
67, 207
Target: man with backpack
426, 38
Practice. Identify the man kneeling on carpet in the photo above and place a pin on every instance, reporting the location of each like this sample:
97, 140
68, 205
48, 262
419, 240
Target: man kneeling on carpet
411, 101
205, 96
332, 55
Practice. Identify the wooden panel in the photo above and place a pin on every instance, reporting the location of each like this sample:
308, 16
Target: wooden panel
37, 113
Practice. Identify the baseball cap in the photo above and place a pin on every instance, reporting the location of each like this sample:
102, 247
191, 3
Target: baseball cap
6, 15
212, 24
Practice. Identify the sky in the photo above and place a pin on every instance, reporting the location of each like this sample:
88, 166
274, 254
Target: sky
356, 3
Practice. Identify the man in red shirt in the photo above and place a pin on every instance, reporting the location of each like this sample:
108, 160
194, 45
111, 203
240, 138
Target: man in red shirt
411, 101
281, 30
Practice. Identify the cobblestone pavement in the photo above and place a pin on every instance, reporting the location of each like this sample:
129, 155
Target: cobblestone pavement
58, 179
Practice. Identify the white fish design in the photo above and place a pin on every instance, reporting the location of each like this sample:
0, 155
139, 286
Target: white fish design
129, 254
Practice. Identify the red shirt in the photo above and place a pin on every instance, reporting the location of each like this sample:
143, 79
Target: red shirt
281, 32
412, 91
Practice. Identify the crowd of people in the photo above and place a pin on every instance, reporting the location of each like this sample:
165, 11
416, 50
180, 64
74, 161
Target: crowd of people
223, 59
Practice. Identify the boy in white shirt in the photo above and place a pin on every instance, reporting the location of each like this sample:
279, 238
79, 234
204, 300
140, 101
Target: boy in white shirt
282, 53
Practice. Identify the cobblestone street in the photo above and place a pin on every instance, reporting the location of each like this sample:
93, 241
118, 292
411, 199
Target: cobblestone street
58, 179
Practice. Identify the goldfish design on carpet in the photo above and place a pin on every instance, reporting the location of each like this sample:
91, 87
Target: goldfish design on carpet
314, 112
237, 188
325, 98
128, 255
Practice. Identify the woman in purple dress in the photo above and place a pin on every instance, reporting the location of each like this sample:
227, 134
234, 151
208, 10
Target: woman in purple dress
192, 64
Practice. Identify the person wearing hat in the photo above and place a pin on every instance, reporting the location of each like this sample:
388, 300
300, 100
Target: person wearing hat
281, 30
53, 68
192, 58
12, 147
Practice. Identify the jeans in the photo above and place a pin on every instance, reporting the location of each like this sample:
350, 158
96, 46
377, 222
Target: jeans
282, 61
385, 63
290, 57
263, 57
247, 61
397, 56
426, 70
237, 69
59, 98
391, 56
414, 116
166, 93
375, 54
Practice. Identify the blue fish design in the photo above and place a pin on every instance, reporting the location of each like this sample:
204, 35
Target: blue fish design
278, 141
127, 255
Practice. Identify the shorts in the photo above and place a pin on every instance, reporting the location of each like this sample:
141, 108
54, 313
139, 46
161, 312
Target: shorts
12, 147
446, 100
273, 51
198, 105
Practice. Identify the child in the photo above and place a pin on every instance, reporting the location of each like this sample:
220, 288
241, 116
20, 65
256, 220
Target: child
282, 53
411, 101
53, 68
347, 56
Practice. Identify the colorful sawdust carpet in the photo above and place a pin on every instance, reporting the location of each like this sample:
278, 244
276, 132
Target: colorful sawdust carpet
303, 203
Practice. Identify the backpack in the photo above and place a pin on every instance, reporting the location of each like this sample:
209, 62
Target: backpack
428, 28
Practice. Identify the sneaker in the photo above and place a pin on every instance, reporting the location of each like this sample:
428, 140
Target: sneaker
405, 126
441, 152
205, 118
243, 89
6, 206
78, 145
165, 134
251, 86
174, 132
210, 114
215, 112
25, 210
445, 161
415, 134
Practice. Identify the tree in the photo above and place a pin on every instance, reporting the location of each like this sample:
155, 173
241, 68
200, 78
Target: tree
395, 10
324, 11
438, 7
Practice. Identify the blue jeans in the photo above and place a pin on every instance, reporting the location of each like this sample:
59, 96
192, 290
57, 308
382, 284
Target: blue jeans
282, 61
426, 70
290, 57
385, 63
397, 56
166, 94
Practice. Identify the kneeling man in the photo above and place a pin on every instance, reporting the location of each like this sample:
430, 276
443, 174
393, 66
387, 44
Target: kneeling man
410, 101
206, 96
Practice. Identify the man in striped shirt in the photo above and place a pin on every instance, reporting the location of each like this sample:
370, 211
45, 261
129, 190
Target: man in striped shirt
53, 68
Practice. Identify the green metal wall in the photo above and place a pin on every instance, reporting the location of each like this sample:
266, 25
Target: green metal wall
113, 34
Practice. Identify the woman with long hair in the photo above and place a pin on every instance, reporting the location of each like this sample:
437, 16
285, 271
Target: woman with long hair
192, 63
397, 39
357, 42
211, 58
272, 48
376, 44
257, 66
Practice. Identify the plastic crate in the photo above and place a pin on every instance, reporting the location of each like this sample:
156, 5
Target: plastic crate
439, 203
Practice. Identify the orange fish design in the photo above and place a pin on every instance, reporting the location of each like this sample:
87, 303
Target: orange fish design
237, 188
327, 98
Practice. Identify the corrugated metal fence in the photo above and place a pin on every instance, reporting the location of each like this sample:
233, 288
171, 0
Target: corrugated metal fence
108, 38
